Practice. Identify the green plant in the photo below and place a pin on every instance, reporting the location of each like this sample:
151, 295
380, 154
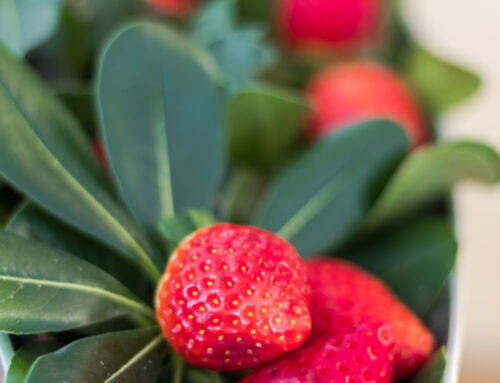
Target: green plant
186, 111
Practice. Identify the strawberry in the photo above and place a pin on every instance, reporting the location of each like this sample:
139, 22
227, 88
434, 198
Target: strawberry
360, 90
173, 7
233, 297
343, 294
100, 153
361, 353
329, 25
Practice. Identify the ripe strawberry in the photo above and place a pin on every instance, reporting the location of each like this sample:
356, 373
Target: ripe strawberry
355, 91
234, 297
326, 25
173, 7
360, 354
343, 294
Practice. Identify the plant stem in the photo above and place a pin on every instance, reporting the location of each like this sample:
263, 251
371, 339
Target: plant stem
178, 364
216, 378
141, 321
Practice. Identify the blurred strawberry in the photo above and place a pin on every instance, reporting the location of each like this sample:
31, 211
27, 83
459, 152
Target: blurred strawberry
355, 91
343, 295
173, 7
361, 353
327, 25
234, 297
100, 153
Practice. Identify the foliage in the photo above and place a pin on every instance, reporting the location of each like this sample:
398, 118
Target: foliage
201, 120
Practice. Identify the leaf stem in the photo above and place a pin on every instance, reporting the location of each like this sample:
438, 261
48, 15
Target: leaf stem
142, 321
145, 350
131, 303
178, 364
216, 378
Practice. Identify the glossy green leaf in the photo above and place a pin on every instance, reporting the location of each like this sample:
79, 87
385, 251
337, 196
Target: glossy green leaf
24, 358
264, 122
119, 357
176, 228
32, 222
241, 55
429, 173
24, 24
44, 154
415, 260
43, 289
440, 84
6, 354
161, 117
214, 20
334, 184
434, 370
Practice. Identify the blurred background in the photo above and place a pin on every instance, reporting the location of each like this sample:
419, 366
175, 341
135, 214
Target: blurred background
467, 32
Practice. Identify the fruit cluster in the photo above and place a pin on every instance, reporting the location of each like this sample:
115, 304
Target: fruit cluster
237, 297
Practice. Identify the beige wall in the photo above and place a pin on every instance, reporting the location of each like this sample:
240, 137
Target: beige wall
469, 32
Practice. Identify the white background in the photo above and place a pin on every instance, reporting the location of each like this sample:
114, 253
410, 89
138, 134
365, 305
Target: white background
468, 31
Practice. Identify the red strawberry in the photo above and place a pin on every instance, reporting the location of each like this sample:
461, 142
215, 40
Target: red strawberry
100, 153
234, 297
327, 25
355, 91
360, 354
343, 294
173, 7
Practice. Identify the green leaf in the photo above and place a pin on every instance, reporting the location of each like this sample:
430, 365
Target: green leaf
8, 202
24, 358
440, 84
243, 195
433, 371
43, 289
43, 153
272, 123
201, 218
241, 55
323, 196
79, 100
24, 24
193, 375
161, 117
32, 222
415, 260
215, 20
256, 10
126, 357
6, 354
176, 228
429, 173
